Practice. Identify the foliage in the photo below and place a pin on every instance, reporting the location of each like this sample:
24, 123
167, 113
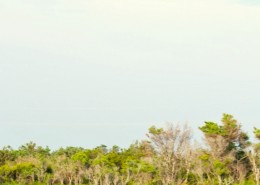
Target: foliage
168, 157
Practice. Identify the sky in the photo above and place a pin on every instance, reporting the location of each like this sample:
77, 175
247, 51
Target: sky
92, 72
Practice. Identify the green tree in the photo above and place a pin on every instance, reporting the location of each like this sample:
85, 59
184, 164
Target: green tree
254, 156
227, 149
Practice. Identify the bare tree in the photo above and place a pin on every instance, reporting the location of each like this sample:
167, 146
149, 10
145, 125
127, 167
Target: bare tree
172, 146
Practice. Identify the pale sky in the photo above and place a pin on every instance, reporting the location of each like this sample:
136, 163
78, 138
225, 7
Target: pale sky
91, 72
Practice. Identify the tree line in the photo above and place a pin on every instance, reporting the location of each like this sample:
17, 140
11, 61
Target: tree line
169, 156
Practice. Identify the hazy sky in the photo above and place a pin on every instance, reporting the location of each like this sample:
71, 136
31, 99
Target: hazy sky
91, 72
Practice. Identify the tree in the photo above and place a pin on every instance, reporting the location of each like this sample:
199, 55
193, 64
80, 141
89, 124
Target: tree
172, 146
6, 154
227, 149
254, 156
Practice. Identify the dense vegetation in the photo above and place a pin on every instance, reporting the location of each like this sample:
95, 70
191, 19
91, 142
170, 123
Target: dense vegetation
168, 156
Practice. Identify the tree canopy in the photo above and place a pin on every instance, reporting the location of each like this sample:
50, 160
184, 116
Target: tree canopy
169, 156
